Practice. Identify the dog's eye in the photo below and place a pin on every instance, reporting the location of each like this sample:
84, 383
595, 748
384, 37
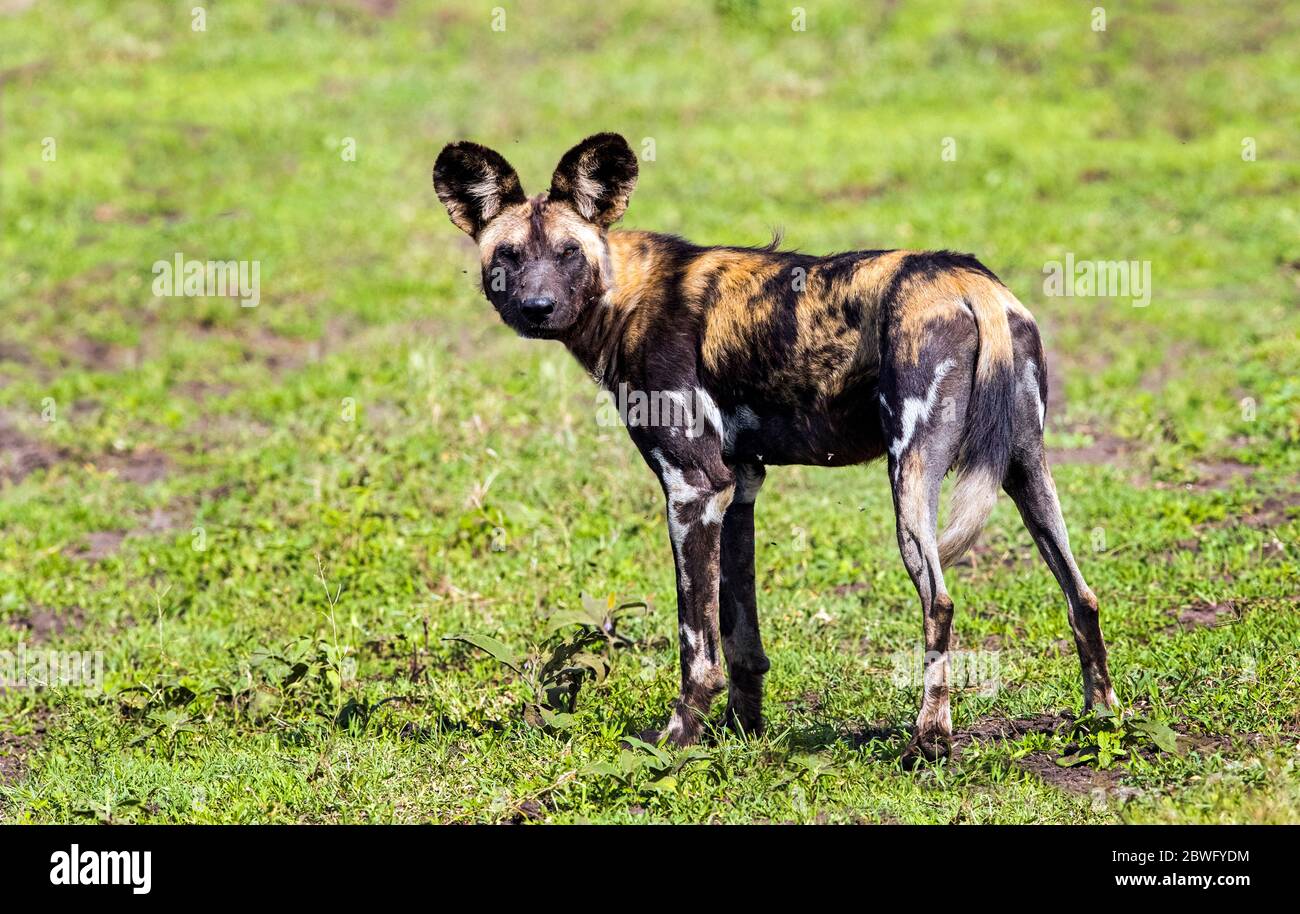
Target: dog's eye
509, 255
569, 251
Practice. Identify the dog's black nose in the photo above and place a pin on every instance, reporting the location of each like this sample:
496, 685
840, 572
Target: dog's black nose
537, 309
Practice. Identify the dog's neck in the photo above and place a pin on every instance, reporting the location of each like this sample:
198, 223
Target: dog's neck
613, 323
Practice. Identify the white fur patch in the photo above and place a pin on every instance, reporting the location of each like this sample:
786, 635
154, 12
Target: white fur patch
1029, 385
680, 492
917, 410
716, 509
935, 712
586, 188
689, 636
711, 412
701, 668
973, 497
486, 190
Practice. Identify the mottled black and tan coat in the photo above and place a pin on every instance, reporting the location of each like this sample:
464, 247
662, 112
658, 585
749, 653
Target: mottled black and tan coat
924, 358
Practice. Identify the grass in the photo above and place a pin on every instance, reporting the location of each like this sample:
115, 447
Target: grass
269, 519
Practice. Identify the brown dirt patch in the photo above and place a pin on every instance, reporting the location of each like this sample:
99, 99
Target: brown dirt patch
96, 546
990, 552
1079, 779
1208, 615
1207, 743
1105, 449
381, 8
21, 455
97, 355
1274, 511
101, 544
40, 624
13, 352
140, 467
858, 193
1214, 475
993, 728
15, 748
160, 520
201, 391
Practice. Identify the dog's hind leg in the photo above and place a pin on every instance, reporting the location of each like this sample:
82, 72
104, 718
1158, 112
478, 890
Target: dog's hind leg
922, 410
916, 499
1029, 483
741, 644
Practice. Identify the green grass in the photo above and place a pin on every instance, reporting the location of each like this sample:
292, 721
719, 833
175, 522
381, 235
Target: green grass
474, 490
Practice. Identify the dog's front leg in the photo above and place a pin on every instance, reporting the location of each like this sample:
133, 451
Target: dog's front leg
698, 487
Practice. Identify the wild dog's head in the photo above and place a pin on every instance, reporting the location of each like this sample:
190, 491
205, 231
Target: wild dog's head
544, 259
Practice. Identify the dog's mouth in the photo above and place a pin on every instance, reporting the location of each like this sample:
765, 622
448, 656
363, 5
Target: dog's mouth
539, 331
553, 327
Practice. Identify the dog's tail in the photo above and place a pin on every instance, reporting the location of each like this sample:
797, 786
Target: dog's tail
986, 441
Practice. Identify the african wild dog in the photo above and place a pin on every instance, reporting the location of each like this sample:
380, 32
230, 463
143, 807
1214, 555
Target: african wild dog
922, 357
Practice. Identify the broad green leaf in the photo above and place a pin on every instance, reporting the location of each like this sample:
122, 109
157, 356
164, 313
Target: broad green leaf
493, 647
557, 719
1159, 732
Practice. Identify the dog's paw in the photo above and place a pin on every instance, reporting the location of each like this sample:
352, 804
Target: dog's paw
650, 735
928, 747
741, 720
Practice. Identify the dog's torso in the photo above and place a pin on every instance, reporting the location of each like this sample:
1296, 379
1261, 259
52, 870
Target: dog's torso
788, 346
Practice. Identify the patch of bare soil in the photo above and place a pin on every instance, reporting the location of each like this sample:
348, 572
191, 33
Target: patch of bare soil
97, 355
382, 8
1214, 475
201, 391
1079, 779
160, 520
843, 590
21, 455
1208, 743
1271, 513
97, 546
993, 728
1207, 615
283, 354
859, 736
1274, 511
11, 7
990, 552
102, 544
1106, 449
140, 467
858, 193
13, 352
39, 624
15, 748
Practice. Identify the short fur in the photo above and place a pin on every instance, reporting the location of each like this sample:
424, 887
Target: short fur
924, 358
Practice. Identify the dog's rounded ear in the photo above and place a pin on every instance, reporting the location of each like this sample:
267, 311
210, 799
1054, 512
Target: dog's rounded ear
475, 184
596, 177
